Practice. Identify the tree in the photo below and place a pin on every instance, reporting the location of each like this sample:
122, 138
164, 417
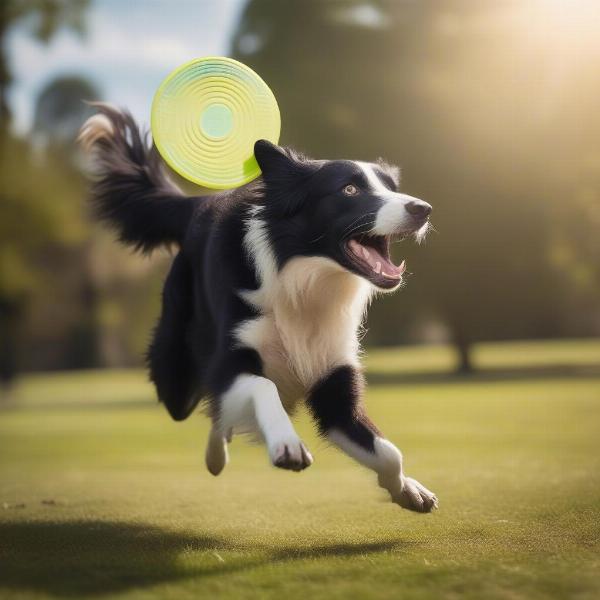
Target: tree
456, 93
37, 222
45, 18
60, 110
24, 222
59, 114
103, 301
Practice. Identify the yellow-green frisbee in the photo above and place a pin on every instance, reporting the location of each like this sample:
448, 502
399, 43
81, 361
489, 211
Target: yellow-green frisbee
206, 116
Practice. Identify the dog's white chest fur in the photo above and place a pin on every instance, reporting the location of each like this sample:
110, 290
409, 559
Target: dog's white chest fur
310, 314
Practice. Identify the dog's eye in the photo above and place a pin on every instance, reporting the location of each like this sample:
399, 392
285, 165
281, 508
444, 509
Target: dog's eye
350, 190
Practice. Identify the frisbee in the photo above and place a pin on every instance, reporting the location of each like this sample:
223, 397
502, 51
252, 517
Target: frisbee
206, 116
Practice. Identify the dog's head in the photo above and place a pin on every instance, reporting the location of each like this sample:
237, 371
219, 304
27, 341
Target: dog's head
344, 210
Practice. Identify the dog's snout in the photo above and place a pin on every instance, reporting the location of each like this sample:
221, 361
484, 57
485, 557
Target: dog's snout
418, 208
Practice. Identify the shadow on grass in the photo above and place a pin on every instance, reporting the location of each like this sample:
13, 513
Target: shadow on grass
73, 559
588, 371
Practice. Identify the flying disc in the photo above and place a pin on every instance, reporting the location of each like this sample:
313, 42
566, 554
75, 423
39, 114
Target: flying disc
206, 116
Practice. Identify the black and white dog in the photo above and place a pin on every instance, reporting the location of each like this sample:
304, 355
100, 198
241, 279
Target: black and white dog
264, 300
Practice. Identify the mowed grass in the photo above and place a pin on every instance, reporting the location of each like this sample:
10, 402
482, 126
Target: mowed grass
101, 495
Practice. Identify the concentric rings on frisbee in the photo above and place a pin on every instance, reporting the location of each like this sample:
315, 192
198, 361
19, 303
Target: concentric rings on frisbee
206, 116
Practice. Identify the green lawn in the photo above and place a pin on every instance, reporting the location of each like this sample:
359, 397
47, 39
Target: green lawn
101, 495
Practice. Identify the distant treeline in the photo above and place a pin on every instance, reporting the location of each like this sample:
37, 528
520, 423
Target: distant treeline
489, 108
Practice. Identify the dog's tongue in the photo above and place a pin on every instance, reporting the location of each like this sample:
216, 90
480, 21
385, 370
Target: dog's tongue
378, 263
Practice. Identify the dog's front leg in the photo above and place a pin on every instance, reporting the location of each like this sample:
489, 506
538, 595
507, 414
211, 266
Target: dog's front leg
252, 403
335, 403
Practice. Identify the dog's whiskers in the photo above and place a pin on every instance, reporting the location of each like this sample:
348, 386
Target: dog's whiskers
359, 226
367, 225
351, 225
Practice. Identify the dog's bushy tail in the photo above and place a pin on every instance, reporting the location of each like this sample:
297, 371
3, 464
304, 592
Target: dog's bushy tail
131, 190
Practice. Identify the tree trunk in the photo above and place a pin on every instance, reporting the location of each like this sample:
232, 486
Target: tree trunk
465, 364
463, 346
11, 313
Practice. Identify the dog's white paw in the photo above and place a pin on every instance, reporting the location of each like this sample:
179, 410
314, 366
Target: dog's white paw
412, 495
290, 454
216, 452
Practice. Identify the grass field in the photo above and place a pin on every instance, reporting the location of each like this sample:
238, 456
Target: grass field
101, 495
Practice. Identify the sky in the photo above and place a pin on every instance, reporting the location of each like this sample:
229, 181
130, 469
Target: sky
129, 47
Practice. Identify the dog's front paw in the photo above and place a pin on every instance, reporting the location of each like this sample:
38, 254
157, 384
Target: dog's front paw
291, 454
412, 495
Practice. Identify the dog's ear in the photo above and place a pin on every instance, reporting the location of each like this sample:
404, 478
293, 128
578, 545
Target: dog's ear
274, 161
283, 170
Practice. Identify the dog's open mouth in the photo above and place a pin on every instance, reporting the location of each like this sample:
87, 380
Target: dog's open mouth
370, 255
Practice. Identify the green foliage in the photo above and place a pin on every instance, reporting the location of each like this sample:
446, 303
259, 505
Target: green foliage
103, 495
40, 208
29, 212
45, 16
490, 108
482, 104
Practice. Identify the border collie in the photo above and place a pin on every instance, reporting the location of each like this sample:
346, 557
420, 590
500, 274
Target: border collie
264, 300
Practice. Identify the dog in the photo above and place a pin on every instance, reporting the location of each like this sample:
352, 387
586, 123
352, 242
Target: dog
264, 301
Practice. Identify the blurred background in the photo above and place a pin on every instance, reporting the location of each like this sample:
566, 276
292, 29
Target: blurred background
485, 368
490, 107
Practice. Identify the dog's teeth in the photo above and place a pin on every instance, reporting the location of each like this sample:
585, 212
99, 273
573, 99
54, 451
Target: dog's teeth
390, 276
402, 266
365, 252
377, 267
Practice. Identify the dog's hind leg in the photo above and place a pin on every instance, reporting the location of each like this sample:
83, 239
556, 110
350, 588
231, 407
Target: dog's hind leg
217, 455
251, 403
335, 403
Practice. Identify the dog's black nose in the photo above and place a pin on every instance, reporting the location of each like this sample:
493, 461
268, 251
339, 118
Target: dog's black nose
418, 209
